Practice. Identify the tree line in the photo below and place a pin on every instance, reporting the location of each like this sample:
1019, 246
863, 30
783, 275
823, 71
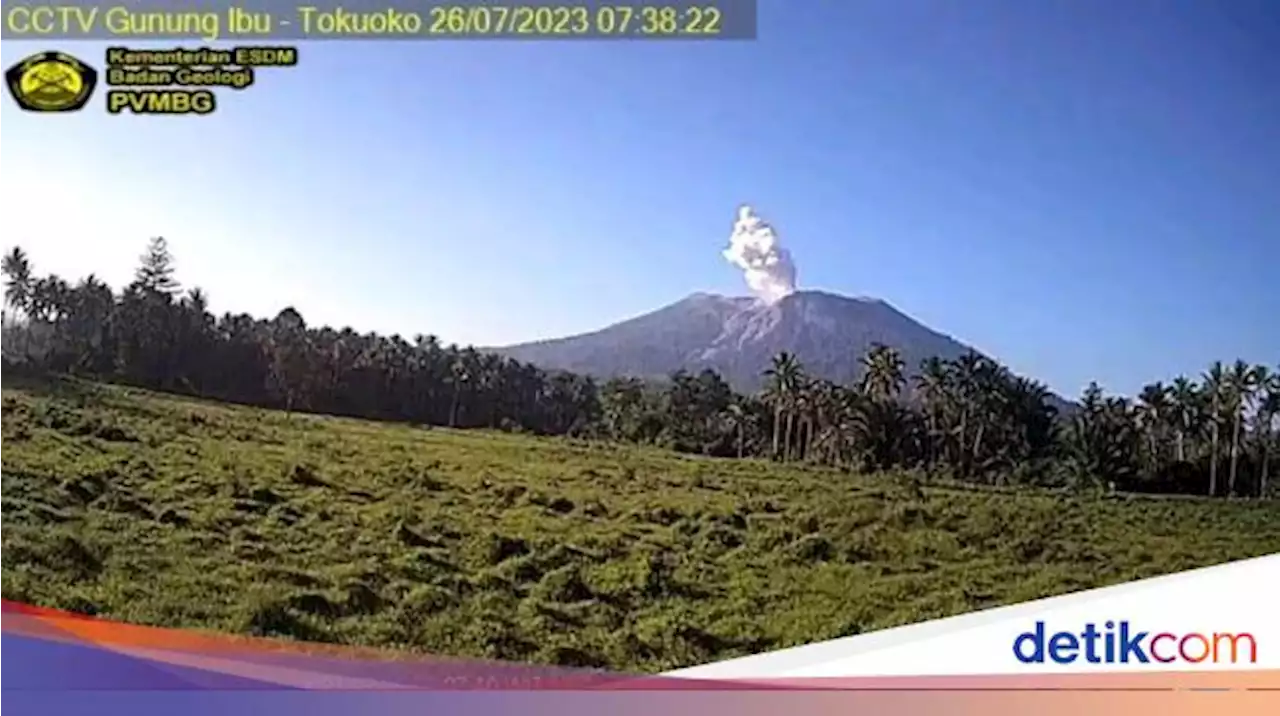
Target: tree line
969, 419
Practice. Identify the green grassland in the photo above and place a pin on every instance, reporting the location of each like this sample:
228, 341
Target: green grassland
159, 510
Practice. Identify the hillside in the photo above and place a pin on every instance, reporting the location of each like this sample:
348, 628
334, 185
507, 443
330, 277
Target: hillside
159, 510
738, 337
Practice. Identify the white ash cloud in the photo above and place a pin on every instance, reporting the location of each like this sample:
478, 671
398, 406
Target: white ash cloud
755, 248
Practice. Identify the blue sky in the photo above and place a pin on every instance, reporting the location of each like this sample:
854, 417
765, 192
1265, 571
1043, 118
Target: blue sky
1084, 189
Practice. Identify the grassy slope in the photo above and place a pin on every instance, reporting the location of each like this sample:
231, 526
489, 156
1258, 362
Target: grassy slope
159, 510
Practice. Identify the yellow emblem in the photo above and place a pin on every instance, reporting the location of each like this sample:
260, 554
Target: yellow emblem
51, 82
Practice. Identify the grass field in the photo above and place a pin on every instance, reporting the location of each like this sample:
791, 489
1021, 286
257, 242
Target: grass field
158, 510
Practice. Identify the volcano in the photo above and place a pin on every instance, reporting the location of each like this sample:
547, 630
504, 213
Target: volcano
738, 337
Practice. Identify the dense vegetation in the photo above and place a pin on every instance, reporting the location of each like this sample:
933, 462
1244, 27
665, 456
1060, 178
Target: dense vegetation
968, 419
593, 548
163, 510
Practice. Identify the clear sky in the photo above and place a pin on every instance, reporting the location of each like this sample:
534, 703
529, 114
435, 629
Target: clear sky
1085, 189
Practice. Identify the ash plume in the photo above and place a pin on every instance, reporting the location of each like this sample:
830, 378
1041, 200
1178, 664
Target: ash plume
755, 248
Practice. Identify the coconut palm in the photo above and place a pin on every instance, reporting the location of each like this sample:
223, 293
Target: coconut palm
1214, 383
1240, 391
968, 377
825, 405
805, 405
16, 268
785, 376
883, 372
932, 386
1266, 406
1268, 392
1184, 400
1153, 412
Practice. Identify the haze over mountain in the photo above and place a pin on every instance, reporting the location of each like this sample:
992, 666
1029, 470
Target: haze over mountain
738, 337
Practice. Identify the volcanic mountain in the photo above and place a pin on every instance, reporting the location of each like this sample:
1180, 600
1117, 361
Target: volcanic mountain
738, 337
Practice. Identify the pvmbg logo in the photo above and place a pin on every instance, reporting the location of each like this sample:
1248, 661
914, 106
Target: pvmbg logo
1121, 643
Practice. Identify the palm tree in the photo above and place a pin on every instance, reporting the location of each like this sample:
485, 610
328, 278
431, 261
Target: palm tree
1185, 400
882, 372
785, 376
1153, 410
1267, 385
803, 405
932, 384
968, 372
825, 407
16, 268
1214, 386
1240, 392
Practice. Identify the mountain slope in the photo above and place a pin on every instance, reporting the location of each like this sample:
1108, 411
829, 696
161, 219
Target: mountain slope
738, 336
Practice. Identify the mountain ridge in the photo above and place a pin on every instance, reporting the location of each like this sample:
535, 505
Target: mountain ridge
738, 336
